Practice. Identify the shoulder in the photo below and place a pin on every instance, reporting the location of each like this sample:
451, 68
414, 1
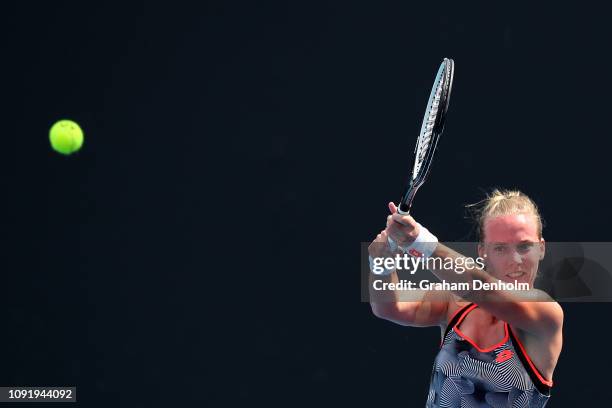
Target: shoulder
454, 306
549, 311
556, 313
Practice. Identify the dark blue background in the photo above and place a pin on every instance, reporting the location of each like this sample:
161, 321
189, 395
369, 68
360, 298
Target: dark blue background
203, 247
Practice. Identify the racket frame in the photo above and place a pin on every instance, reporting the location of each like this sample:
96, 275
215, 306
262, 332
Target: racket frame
445, 74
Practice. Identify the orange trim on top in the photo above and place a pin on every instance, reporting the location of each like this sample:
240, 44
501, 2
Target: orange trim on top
459, 310
490, 348
469, 309
533, 367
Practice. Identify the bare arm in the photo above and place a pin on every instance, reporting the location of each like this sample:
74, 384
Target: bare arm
532, 311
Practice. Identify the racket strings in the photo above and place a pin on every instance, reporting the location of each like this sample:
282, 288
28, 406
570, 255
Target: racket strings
425, 138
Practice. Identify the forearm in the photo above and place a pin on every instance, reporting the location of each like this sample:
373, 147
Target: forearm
383, 302
468, 273
516, 303
471, 272
406, 307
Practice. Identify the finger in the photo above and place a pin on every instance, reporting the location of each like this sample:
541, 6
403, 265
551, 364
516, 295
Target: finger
392, 207
392, 222
406, 220
382, 237
396, 235
400, 219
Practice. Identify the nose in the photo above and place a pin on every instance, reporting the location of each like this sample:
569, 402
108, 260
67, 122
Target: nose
516, 257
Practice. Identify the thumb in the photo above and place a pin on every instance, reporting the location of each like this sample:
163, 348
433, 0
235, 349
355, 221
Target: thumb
392, 207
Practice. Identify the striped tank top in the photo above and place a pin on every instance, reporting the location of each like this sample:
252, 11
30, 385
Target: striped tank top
467, 376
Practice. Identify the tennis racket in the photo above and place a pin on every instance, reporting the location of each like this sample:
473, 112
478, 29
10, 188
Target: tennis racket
431, 129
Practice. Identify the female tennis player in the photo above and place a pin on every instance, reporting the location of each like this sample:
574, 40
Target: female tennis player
499, 347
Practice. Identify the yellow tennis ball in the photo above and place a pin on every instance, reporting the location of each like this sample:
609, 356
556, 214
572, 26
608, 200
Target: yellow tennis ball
66, 136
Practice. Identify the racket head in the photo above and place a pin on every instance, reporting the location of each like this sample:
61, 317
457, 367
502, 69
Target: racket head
432, 127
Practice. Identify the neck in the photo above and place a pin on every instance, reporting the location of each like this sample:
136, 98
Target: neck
487, 317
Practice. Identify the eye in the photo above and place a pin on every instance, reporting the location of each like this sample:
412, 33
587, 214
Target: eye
499, 248
525, 247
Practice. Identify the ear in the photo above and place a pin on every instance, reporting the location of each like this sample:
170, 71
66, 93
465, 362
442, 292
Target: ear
542, 248
481, 250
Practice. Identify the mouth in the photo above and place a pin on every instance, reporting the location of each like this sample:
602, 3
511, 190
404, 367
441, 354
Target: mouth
515, 275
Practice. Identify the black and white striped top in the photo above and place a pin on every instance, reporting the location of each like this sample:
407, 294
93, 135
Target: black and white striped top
467, 376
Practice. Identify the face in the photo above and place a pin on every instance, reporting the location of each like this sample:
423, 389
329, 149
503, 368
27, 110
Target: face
512, 249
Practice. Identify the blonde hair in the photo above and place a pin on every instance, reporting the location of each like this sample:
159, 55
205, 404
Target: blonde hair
504, 202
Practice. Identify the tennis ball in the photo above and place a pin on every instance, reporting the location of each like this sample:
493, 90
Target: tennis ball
66, 136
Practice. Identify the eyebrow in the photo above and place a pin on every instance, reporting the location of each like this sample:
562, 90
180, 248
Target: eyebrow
525, 241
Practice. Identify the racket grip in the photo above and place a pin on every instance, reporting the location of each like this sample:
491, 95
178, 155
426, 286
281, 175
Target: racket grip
406, 201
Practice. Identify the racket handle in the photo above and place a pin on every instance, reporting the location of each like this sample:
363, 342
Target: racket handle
406, 201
